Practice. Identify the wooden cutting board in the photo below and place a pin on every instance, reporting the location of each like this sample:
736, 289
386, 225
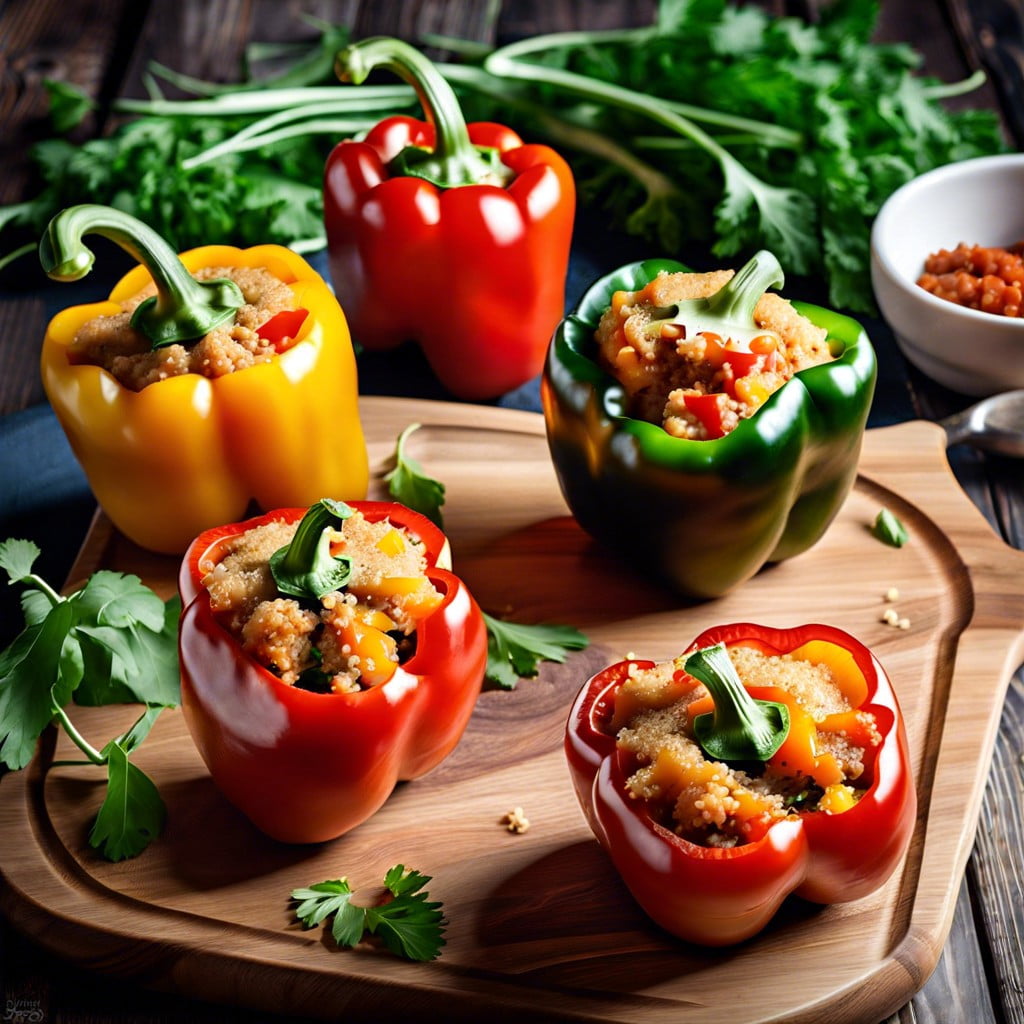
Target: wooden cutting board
540, 925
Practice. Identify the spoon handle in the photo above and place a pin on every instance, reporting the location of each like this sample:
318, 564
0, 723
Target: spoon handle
957, 427
995, 424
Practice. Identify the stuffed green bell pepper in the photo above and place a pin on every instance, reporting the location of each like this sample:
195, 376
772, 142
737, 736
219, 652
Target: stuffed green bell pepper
706, 496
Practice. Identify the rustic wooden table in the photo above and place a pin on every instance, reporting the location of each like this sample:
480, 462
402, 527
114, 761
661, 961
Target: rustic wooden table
102, 46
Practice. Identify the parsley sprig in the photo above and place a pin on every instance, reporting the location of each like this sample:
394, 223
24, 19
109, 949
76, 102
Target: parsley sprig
410, 484
515, 650
113, 641
409, 924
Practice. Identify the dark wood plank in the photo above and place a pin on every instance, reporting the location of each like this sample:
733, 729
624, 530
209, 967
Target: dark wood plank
996, 870
70, 41
958, 988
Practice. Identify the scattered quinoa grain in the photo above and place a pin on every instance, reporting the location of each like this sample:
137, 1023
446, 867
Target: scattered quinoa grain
892, 594
516, 821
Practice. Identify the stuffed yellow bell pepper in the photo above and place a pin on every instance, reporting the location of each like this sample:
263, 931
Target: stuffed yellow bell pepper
174, 453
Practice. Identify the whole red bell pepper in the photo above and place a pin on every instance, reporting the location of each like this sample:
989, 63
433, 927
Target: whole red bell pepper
451, 235
722, 895
306, 767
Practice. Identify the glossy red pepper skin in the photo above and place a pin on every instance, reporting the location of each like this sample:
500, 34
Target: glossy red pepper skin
474, 273
720, 896
307, 767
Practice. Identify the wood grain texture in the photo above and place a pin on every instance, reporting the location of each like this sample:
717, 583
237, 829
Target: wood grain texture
540, 924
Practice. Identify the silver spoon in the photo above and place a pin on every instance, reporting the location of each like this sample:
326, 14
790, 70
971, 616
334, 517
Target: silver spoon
995, 425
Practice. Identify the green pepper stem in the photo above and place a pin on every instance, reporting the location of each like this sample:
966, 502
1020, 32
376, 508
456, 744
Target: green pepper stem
730, 310
736, 300
740, 728
305, 568
454, 160
183, 309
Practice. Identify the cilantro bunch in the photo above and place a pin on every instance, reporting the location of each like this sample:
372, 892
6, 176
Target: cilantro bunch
717, 127
151, 163
723, 126
113, 641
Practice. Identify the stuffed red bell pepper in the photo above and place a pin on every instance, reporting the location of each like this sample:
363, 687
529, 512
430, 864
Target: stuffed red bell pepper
451, 235
763, 762
325, 655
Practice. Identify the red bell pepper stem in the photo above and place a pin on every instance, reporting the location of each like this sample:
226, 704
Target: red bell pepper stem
740, 728
305, 568
454, 160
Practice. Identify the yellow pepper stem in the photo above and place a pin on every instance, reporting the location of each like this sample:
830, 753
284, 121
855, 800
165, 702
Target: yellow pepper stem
183, 308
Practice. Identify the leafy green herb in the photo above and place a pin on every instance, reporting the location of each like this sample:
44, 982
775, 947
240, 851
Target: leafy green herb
68, 105
132, 815
515, 650
718, 124
112, 641
408, 924
409, 483
266, 191
775, 133
888, 529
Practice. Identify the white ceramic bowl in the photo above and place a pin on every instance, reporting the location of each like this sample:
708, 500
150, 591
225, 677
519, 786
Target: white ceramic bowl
978, 202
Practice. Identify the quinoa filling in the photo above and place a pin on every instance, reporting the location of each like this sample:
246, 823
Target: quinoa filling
126, 353
351, 639
665, 371
715, 804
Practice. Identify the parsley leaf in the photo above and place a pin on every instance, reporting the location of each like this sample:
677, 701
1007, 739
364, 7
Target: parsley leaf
319, 901
132, 814
17, 558
112, 599
133, 662
514, 650
408, 924
112, 641
409, 484
889, 530
28, 669
35, 606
